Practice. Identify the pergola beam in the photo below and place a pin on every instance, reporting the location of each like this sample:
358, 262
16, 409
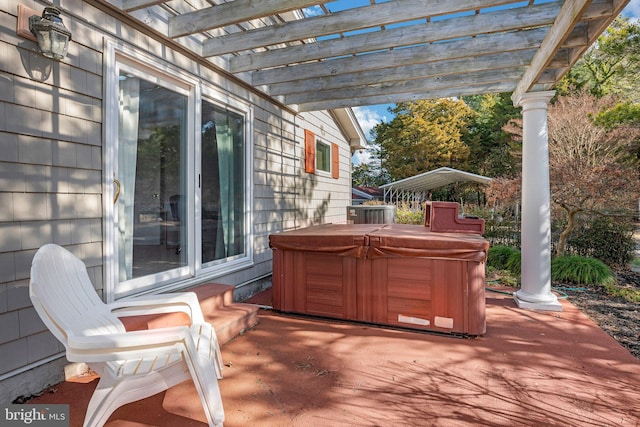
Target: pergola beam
349, 20
476, 80
565, 22
486, 45
468, 26
495, 63
392, 98
230, 13
131, 5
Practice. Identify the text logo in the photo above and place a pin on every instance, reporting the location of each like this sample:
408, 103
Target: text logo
34, 415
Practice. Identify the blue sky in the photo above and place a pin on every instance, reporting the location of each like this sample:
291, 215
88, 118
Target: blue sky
369, 116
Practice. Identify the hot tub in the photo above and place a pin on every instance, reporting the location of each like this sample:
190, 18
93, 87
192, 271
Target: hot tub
315, 269
425, 280
397, 275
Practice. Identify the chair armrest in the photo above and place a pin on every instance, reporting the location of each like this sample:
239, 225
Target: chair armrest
128, 345
186, 302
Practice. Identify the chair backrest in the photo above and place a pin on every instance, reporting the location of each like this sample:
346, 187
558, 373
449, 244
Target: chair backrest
63, 296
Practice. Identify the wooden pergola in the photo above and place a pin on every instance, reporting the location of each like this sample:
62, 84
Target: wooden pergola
306, 55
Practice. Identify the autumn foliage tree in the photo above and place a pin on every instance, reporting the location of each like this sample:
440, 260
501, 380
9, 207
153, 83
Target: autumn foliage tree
503, 193
589, 167
423, 136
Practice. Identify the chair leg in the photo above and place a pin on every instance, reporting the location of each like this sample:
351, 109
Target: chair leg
113, 393
206, 342
200, 353
206, 382
102, 403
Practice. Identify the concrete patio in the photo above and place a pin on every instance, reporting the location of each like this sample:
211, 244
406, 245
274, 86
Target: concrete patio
530, 369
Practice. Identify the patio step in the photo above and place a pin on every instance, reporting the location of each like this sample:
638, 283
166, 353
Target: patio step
228, 318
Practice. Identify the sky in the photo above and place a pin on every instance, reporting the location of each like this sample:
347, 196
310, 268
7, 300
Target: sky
370, 116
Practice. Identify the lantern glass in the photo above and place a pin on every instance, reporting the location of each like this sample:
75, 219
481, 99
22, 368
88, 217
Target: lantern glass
53, 37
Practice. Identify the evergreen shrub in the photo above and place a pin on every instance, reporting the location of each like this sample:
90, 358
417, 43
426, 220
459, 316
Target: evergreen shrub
514, 263
606, 239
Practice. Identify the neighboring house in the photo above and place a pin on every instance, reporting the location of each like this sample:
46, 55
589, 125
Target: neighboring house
360, 195
156, 169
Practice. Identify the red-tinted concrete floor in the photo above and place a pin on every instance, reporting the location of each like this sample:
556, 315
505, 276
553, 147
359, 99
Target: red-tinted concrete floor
530, 369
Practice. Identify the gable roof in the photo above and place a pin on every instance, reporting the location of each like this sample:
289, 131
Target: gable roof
348, 123
308, 55
368, 193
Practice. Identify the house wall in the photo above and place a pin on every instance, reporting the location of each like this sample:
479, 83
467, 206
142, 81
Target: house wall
51, 172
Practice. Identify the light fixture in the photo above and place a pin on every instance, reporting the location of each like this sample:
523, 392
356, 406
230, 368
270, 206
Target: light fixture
53, 37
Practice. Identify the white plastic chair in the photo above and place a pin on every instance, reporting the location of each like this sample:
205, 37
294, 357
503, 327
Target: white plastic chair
132, 365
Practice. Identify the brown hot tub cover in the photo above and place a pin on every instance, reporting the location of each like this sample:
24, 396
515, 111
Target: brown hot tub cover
340, 239
416, 241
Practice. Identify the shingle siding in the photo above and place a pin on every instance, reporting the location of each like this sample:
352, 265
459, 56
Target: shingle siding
50, 180
15, 354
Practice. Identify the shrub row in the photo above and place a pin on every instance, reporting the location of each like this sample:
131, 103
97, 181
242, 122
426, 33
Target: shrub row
574, 269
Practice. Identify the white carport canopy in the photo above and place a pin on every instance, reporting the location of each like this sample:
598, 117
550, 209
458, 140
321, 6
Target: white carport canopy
415, 189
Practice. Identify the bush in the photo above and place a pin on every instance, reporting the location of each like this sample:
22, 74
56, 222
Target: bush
406, 215
581, 270
514, 263
498, 256
608, 240
504, 258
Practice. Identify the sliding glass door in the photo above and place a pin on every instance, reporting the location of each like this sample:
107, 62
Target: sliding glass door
180, 208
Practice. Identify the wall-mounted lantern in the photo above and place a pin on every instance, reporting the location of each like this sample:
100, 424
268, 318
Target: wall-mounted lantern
53, 37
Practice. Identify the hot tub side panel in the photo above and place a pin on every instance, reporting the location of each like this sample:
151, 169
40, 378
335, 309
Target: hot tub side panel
315, 283
424, 293
477, 315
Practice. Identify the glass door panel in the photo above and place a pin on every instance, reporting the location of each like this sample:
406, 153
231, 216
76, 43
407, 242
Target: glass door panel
222, 190
152, 158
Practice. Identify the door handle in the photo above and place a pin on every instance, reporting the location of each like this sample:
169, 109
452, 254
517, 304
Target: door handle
117, 183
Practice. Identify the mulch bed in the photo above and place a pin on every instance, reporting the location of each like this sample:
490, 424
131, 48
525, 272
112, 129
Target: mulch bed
616, 316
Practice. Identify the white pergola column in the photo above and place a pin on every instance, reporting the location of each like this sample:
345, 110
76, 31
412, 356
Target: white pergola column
535, 292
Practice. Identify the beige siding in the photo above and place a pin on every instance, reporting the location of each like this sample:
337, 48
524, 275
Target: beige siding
51, 168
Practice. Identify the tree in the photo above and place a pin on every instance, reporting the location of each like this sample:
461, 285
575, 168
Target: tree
589, 164
492, 150
611, 66
366, 175
423, 136
369, 173
503, 194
